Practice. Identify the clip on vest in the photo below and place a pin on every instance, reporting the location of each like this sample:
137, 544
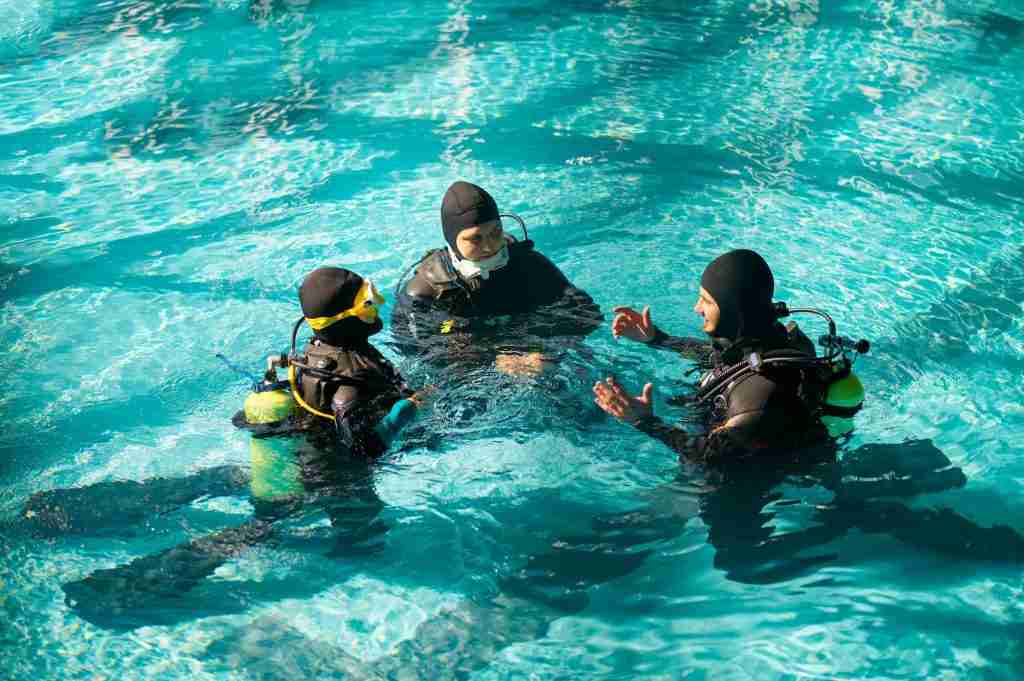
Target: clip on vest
755, 362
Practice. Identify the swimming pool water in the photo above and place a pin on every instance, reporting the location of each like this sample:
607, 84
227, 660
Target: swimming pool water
171, 169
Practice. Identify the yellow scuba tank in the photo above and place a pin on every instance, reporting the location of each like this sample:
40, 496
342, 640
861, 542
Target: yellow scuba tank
843, 400
844, 393
275, 473
269, 406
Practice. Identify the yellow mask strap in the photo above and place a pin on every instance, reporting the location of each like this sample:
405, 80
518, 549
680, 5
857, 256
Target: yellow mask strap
365, 307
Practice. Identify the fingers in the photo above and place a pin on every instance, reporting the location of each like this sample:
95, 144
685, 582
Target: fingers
615, 388
632, 324
647, 393
611, 397
624, 319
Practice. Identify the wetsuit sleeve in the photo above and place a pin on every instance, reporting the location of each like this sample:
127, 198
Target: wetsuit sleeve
759, 415
737, 437
574, 313
729, 440
356, 423
690, 348
676, 438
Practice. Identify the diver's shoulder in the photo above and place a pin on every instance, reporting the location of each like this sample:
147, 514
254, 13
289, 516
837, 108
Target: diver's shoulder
433, 275
419, 287
526, 253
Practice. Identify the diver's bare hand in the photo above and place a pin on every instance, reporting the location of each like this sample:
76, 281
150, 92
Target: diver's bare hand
637, 326
422, 396
613, 399
515, 364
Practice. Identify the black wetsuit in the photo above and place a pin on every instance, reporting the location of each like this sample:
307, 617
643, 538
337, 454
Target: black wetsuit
358, 385
526, 300
766, 412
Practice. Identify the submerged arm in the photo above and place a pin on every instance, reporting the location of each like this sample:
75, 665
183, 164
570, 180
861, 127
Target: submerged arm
573, 313
422, 326
738, 435
557, 308
731, 440
693, 349
360, 428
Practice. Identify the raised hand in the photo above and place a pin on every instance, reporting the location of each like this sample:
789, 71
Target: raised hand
614, 400
637, 326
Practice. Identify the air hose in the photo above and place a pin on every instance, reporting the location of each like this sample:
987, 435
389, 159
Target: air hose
298, 396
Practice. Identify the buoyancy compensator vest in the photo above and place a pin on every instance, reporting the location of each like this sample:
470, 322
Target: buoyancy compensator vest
826, 386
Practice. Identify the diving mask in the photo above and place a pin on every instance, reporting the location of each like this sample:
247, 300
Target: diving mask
368, 299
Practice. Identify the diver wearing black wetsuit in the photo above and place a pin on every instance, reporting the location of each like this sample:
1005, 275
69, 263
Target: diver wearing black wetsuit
353, 403
342, 377
452, 301
761, 394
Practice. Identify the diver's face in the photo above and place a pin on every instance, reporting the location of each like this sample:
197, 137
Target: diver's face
480, 241
707, 308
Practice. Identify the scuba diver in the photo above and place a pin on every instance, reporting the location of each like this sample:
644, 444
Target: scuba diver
340, 378
766, 394
314, 438
487, 297
766, 391
767, 398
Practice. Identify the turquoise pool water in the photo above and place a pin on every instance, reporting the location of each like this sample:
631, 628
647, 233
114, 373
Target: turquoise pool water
170, 169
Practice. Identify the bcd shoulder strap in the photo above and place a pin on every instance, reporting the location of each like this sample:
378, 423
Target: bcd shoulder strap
437, 272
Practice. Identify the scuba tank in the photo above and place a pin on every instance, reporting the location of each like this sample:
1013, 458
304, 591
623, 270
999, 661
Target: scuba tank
275, 473
843, 399
844, 395
270, 401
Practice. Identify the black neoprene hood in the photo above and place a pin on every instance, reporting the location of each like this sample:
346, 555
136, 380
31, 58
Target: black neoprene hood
743, 285
465, 205
328, 291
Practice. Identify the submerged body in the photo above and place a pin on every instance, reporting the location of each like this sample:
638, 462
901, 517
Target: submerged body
764, 411
353, 403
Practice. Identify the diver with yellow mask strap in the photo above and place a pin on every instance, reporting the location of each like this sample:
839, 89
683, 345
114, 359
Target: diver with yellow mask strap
313, 440
340, 379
